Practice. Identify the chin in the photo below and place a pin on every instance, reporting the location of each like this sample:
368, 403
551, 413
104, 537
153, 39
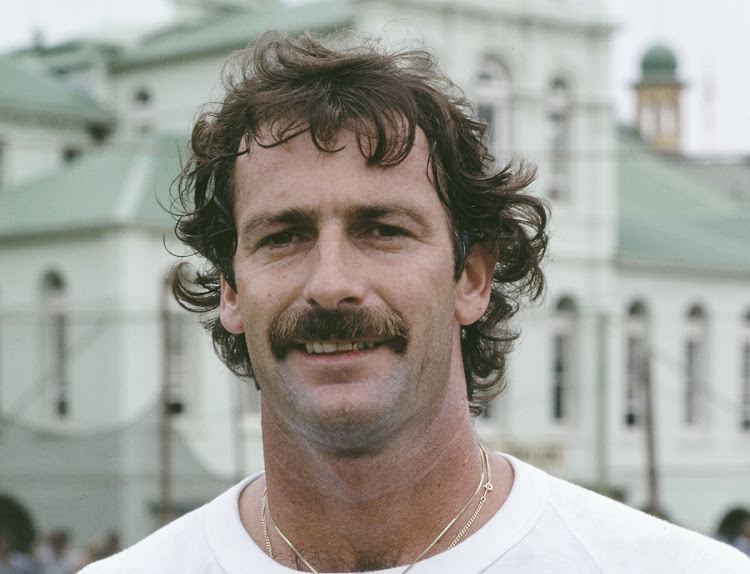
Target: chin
351, 431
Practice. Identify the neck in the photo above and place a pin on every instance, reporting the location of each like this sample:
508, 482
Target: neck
353, 482
378, 510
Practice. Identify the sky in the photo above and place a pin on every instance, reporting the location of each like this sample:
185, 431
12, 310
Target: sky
710, 40
61, 20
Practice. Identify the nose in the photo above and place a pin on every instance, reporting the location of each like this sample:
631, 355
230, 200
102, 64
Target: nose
334, 274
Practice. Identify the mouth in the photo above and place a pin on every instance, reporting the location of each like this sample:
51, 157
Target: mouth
328, 347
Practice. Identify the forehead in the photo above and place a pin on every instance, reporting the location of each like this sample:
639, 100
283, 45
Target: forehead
298, 171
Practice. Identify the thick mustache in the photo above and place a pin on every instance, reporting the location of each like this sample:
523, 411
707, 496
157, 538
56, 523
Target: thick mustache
292, 327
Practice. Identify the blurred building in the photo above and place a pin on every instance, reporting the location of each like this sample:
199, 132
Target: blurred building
112, 403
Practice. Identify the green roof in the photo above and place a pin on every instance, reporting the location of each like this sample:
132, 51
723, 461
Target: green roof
68, 56
26, 93
670, 219
731, 173
675, 245
218, 33
121, 185
231, 30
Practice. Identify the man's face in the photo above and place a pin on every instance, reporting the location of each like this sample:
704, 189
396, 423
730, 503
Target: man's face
345, 292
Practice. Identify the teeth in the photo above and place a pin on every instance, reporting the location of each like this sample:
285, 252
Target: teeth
318, 348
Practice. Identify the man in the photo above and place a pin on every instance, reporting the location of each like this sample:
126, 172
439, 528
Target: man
734, 529
365, 257
17, 534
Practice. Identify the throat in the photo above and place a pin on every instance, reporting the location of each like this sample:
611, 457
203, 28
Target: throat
358, 563
351, 551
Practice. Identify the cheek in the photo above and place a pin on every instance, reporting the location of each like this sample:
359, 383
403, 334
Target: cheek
265, 295
267, 289
428, 298
434, 287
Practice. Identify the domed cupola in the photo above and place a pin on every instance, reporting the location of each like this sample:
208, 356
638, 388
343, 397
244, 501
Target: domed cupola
658, 92
659, 64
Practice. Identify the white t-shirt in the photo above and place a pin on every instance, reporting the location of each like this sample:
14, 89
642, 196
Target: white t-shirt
546, 526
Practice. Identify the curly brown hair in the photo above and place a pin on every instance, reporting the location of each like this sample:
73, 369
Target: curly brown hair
289, 85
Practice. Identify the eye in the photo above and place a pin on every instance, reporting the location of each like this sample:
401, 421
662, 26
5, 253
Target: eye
387, 231
282, 238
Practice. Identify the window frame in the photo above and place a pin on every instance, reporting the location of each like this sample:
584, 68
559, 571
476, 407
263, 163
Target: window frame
565, 322
492, 92
558, 115
695, 366
744, 402
55, 305
637, 363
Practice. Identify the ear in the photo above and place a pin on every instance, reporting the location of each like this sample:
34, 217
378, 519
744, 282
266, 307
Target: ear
229, 309
474, 286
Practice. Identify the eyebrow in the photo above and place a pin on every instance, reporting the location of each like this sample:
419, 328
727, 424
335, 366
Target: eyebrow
308, 217
370, 212
287, 217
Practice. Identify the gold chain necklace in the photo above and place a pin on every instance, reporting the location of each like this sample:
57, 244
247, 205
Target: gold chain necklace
265, 517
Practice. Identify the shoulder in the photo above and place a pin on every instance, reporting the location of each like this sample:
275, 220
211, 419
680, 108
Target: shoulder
622, 539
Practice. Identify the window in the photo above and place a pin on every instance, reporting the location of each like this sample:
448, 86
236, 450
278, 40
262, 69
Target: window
70, 154
2, 163
55, 309
563, 358
695, 366
638, 363
668, 120
649, 120
177, 370
492, 105
143, 113
745, 375
558, 117
142, 96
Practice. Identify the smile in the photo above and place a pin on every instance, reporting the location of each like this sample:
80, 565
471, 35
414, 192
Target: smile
318, 347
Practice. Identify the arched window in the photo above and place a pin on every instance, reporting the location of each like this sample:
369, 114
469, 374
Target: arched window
563, 358
558, 119
174, 328
55, 309
745, 377
638, 363
493, 105
695, 365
